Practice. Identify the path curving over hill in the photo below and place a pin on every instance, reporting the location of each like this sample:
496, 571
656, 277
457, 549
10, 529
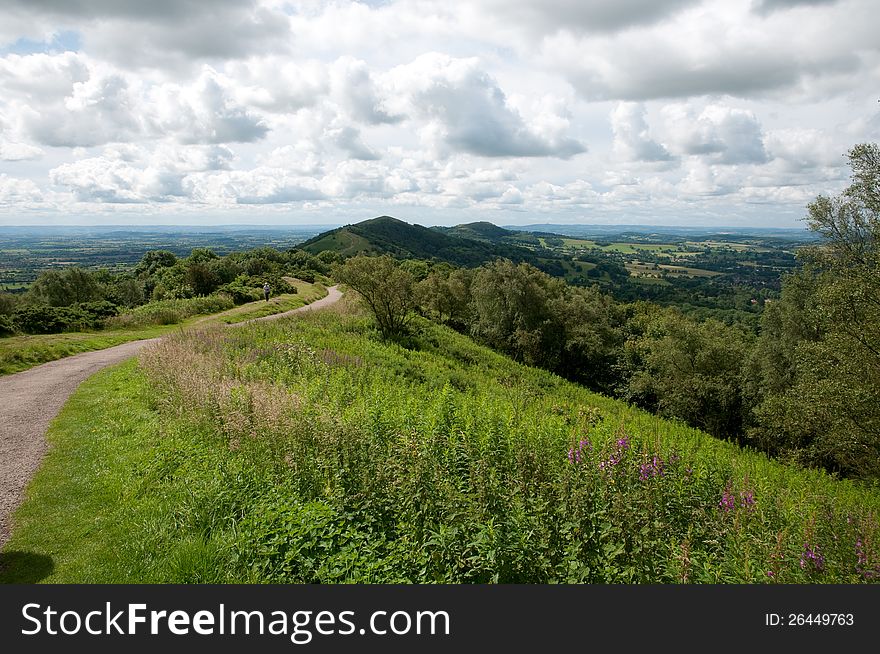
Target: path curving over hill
30, 400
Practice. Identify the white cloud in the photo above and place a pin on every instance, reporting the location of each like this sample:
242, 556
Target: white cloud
468, 112
14, 191
722, 134
205, 112
10, 151
721, 47
632, 139
551, 16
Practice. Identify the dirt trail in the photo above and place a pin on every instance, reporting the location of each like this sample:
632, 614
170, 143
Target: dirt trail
30, 400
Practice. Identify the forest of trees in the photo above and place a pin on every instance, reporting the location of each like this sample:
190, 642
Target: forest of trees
804, 389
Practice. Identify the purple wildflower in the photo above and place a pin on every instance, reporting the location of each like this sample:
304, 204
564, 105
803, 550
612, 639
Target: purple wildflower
747, 499
652, 469
728, 502
812, 558
574, 455
862, 566
623, 443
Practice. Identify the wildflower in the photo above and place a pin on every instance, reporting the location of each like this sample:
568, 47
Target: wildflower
574, 455
623, 443
652, 469
728, 502
812, 558
747, 498
770, 574
862, 565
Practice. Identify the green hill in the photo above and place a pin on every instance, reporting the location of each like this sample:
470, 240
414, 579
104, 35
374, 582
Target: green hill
308, 451
387, 235
479, 231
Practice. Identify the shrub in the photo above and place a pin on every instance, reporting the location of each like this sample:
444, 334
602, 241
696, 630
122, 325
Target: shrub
7, 328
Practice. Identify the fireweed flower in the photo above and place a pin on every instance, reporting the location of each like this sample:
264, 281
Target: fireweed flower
747, 498
621, 445
653, 468
862, 566
728, 502
575, 455
812, 559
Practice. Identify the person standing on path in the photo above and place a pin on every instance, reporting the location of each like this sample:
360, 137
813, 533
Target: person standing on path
266, 290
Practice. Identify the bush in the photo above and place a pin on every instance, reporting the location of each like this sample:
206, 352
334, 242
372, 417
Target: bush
6, 326
241, 290
42, 319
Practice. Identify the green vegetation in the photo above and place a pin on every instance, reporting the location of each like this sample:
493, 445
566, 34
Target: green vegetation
161, 289
21, 352
307, 450
386, 235
170, 312
25, 252
805, 389
305, 294
388, 289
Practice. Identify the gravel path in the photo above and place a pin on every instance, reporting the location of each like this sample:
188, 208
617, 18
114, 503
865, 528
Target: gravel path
30, 400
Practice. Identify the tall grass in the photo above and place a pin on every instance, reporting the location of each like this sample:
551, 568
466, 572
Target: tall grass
447, 463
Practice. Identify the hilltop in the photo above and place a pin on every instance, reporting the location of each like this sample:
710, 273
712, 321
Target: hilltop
464, 245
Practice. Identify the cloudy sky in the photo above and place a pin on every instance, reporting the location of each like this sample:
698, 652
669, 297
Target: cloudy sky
680, 112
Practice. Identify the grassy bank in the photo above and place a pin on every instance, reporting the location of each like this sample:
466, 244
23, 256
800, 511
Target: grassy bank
308, 451
306, 294
19, 353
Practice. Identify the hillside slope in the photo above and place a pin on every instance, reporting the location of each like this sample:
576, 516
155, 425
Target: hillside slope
387, 235
308, 451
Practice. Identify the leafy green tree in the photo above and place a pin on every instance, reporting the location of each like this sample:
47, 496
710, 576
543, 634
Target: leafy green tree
8, 302
61, 288
153, 260
387, 289
513, 312
201, 279
688, 370
445, 295
594, 337
823, 407
201, 255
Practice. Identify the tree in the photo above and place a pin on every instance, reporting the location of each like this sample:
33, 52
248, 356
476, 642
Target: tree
824, 409
153, 260
688, 370
445, 295
61, 288
387, 289
513, 312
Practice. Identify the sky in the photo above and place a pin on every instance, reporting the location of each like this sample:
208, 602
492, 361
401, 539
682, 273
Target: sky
675, 112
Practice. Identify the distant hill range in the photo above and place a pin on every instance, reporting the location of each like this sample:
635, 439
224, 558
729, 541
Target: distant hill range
471, 244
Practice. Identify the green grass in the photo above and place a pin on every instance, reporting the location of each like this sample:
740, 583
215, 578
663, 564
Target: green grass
19, 353
306, 450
